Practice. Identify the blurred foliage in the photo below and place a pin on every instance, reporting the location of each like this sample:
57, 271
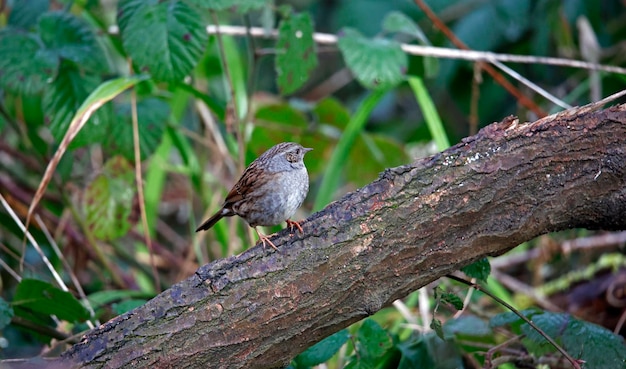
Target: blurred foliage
207, 104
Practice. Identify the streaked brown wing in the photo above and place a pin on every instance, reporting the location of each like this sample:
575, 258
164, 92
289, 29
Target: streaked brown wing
252, 178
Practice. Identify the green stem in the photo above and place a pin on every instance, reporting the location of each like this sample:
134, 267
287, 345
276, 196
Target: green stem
330, 182
433, 121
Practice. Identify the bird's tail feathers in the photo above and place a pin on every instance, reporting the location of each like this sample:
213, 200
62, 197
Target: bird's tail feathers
214, 219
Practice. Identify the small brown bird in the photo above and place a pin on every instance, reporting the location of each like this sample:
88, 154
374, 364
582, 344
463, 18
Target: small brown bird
269, 191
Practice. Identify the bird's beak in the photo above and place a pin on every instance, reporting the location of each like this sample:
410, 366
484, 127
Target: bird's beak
307, 149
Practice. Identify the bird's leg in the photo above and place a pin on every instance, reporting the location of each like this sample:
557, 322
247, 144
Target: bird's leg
291, 224
264, 239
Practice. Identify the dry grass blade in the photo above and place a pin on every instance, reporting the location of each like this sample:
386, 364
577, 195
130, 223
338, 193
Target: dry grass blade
105, 92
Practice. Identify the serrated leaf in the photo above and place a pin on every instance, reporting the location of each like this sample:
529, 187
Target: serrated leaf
510, 317
241, 6
452, 299
25, 67
372, 340
42, 297
552, 324
323, 350
65, 36
176, 35
6, 313
376, 63
399, 22
63, 98
25, 13
152, 115
108, 200
435, 325
597, 346
479, 269
296, 52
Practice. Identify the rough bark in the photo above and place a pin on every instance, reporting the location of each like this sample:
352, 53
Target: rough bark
508, 184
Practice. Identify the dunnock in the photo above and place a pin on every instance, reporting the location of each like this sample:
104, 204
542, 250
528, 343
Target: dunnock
269, 191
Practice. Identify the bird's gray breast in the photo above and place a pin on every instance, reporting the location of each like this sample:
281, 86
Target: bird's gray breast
283, 195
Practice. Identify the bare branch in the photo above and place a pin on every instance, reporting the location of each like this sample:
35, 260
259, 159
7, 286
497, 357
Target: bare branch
508, 184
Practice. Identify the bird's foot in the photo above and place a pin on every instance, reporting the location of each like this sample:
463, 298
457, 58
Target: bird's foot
291, 224
265, 239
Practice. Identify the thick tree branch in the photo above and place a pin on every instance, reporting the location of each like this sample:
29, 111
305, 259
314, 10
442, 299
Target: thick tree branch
506, 185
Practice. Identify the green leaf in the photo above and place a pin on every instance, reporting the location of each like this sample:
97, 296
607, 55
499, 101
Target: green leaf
415, 354
511, 318
452, 299
398, 22
296, 52
435, 325
68, 37
25, 13
108, 200
6, 313
597, 346
383, 151
241, 6
428, 351
42, 297
376, 63
164, 38
152, 115
323, 350
479, 269
467, 325
372, 340
25, 68
331, 111
553, 324
63, 98
283, 114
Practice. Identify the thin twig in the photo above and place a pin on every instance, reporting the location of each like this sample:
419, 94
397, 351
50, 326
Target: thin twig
599, 241
32, 240
522, 316
12, 272
43, 329
433, 51
517, 285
